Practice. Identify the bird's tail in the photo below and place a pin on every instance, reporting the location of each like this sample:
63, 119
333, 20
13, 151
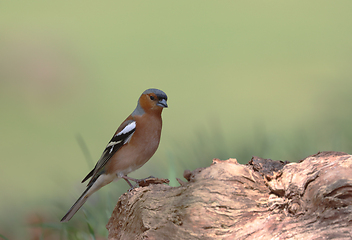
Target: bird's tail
78, 204
94, 186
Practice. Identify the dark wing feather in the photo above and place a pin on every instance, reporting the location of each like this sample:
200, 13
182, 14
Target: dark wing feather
89, 175
116, 142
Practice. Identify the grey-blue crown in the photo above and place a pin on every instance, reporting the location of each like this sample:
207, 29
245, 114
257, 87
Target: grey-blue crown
160, 94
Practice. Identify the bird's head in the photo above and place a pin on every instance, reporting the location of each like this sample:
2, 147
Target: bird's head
152, 100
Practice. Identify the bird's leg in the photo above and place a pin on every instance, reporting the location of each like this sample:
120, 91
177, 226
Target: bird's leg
129, 183
135, 180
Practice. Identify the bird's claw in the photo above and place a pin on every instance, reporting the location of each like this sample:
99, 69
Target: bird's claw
143, 180
137, 181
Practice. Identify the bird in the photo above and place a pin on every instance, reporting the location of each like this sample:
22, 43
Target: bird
133, 144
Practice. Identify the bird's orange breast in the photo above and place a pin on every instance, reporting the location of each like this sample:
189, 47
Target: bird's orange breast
140, 149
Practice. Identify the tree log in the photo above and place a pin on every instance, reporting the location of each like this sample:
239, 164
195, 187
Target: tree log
264, 199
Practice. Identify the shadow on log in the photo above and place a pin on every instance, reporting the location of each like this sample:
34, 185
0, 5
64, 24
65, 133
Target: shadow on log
264, 199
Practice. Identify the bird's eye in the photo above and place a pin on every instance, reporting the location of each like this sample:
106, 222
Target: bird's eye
152, 98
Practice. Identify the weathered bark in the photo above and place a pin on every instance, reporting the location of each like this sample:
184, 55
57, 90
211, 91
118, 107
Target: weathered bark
264, 199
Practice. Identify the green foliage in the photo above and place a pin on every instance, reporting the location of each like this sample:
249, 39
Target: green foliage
3, 237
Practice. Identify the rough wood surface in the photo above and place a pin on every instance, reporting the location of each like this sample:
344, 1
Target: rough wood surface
264, 199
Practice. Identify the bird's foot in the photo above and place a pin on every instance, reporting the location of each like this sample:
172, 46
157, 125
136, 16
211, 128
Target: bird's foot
137, 181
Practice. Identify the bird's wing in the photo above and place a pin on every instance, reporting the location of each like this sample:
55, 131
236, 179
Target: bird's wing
121, 137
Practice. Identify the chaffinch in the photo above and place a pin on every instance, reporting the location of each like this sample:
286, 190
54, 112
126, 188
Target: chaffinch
132, 145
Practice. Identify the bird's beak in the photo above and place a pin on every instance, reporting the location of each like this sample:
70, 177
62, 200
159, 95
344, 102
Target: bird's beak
162, 103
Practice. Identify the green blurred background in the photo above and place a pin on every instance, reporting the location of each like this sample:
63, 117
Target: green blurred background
265, 78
